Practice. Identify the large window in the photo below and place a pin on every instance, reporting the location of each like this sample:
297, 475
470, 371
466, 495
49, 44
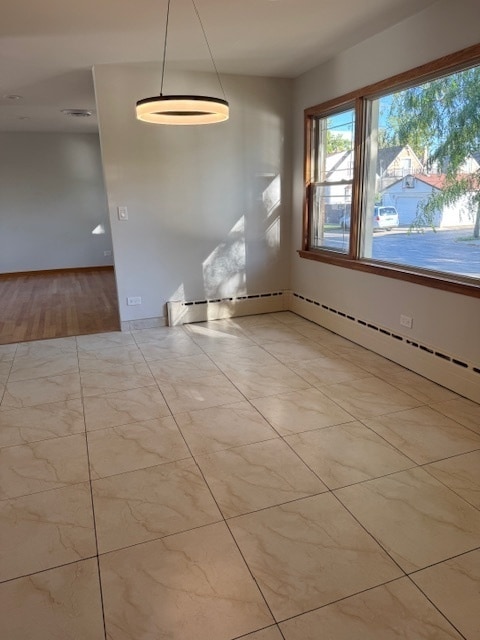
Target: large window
392, 176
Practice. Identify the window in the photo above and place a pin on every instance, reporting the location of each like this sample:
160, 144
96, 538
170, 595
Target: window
392, 176
331, 179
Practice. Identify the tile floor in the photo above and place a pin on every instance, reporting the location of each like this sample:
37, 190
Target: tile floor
255, 478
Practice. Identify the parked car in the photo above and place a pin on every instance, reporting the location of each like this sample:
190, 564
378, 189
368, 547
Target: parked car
383, 218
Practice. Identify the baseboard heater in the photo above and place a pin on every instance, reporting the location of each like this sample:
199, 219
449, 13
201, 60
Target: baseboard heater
183, 312
446, 369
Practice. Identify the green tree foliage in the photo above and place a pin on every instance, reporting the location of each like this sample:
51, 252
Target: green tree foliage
440, 120
336, 142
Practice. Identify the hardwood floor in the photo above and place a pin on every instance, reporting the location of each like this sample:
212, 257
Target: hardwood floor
54, 304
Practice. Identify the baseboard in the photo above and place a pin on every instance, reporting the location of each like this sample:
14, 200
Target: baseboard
454, 373
50, 272
182, 312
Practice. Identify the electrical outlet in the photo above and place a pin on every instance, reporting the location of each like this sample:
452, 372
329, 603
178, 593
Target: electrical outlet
406, 321
107, 253
134, 300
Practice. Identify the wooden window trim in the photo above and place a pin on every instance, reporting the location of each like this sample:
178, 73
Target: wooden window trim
469, 56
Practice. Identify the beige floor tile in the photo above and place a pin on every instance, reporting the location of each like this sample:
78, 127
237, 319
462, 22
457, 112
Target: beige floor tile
424, 435
417, 520
51, 347
135, 446
272, 633
462, 474
296, 350
419, 387
104, 340
124, 407
39, 466
309, 553
29, 393
266, 380
150, 503
31, 424
185, 368
250, 357
28, 368
369, 397
328, 370
395, 611
5, 368
278, 332
301, 411
117, 378
346, 454
169, 348
144, 336
56, 604
226, 344
268, 319
45, 530
454, 587
256, 476
100, 359
191, 585
215, 329
189, 395
315, 332
7, 352
219, 428
462, 410
373, 362
289, 318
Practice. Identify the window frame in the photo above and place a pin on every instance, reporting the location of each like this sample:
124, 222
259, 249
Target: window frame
360, 98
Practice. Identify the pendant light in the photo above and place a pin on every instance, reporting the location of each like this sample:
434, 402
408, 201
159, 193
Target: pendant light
183, 109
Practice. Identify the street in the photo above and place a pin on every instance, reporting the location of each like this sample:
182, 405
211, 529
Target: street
452, 251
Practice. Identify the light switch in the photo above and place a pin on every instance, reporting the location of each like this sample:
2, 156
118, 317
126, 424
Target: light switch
122, 213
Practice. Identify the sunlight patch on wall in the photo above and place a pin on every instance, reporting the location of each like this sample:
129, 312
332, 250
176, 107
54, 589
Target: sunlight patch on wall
179, 294
99, 230
224, 269
272, 234
271, 196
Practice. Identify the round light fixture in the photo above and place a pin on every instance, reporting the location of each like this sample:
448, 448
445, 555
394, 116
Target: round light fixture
182, 110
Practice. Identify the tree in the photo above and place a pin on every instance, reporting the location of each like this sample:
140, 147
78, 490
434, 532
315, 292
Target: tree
440, 120
336, 142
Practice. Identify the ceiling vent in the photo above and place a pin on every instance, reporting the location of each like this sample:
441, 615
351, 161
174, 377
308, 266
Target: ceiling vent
77, 113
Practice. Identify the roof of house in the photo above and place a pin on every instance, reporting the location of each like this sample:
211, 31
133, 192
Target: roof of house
436, 180
439, 180
386, 156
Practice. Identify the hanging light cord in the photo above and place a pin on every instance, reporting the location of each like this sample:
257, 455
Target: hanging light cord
206, 41
208, 47
165, 47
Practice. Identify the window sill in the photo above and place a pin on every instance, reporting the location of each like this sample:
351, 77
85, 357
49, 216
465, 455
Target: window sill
433, 279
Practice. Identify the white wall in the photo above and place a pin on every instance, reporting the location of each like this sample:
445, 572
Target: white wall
208, 206
51, 198
447, 321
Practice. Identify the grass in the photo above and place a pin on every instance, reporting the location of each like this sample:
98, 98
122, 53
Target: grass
468, 239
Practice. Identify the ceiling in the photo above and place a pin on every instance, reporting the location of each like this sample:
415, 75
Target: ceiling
48, 47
